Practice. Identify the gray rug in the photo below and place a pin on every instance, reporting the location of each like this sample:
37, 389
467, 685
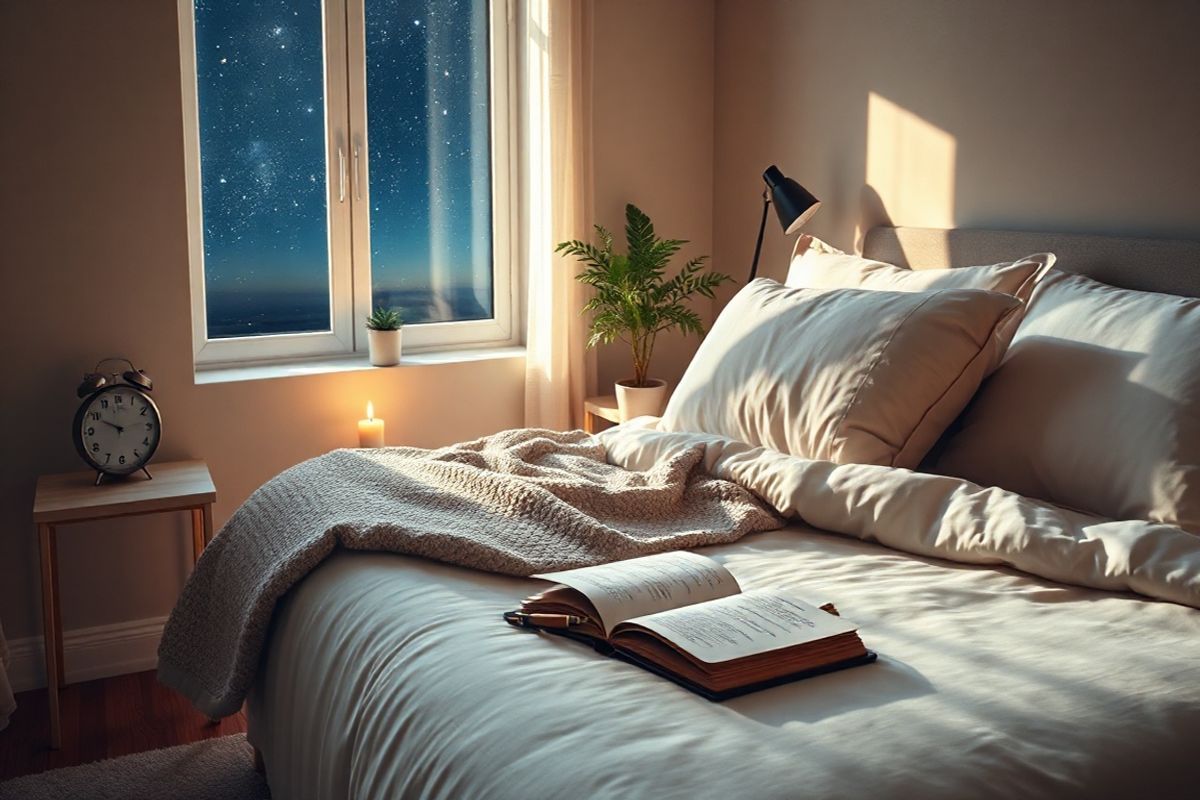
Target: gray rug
214, 769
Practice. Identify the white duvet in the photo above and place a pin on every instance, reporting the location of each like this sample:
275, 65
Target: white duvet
388, 676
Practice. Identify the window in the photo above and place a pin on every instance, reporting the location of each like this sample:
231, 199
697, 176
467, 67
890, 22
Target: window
343, 155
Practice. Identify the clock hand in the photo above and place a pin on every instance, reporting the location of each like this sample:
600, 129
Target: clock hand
110, 424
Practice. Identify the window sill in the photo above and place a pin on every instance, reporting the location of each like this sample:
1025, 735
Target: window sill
353, 363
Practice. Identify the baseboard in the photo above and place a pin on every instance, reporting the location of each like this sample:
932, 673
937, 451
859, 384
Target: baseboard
89, 653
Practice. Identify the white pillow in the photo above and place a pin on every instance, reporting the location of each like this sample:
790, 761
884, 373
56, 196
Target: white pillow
819, 265
1095, 407
850, 376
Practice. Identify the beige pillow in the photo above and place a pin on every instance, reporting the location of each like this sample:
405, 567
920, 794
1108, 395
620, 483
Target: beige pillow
818, 265
846, 375
1095, 407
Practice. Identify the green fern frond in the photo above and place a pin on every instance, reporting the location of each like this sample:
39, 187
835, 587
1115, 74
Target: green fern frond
632, 298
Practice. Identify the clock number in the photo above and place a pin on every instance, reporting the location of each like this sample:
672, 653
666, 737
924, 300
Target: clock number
143, 411
91, 431
149, 426
104, 404
121, 460
107, 457
95, 447
95, 415
119, 398
146, 442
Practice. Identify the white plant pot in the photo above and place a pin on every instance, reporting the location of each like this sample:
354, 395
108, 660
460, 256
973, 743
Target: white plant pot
384, 347
641, 401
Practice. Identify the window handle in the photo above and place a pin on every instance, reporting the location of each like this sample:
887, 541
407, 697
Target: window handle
341, 175
357, 175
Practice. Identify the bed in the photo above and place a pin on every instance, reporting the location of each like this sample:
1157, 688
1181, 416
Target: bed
393, 676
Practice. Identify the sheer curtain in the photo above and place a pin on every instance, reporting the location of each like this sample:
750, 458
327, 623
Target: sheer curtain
7, 704
555, 44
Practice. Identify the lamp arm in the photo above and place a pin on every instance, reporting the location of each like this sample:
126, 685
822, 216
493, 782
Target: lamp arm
762, 227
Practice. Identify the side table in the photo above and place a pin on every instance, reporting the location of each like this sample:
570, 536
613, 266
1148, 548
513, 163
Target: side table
73, 497
600, 413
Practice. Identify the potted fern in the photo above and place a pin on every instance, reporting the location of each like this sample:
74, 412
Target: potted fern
635, 301
384, 328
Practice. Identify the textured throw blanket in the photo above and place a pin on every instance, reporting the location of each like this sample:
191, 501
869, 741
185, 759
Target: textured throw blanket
518, 502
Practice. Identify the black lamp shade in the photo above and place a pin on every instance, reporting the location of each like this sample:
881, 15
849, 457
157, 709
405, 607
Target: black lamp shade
794, 204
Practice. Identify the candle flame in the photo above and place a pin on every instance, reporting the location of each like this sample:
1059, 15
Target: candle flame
370, 410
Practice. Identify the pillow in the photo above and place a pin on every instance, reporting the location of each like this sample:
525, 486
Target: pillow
818, 265
847, 375
1095, 407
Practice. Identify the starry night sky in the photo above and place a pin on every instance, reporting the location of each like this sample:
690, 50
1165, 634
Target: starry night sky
263, 171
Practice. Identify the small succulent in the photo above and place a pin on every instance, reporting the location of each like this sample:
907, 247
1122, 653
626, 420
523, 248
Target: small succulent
385, 319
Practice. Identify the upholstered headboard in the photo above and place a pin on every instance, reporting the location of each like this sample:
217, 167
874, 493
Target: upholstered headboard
1151, 265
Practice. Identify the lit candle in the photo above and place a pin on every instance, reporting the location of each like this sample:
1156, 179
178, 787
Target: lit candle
370, 430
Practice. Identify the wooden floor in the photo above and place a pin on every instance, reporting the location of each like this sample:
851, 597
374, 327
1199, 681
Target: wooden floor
103, 719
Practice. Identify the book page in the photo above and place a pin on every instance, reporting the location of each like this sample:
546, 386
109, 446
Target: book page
746, 624
639, 586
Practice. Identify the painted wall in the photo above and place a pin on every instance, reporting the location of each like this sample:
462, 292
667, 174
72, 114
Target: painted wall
653, 141
1069, 115
94, 262
1072, 115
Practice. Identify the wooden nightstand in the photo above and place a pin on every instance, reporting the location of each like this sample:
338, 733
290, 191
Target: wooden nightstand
72, 497
600, 413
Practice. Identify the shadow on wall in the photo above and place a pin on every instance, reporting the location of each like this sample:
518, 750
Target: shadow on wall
1019, 116
910, 170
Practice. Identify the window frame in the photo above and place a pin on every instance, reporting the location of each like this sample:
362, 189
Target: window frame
347, 165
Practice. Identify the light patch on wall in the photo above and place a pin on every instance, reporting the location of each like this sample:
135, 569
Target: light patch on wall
910, 170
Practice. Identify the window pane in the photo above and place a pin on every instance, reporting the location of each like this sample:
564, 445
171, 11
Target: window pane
430, 159
260, 80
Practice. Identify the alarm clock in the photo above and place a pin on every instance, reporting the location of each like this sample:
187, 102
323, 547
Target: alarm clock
117, 427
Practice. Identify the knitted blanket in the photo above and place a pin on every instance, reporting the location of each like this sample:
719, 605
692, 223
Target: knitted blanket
518, 502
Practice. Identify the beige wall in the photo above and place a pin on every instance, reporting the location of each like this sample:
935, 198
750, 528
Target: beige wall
1074, 116
653, 140
94, 259
94, 250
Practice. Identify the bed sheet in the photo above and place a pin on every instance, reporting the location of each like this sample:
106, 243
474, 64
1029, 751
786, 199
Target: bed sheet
391, 676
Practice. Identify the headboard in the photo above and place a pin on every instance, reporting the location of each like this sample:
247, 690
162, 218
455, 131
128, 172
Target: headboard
1149, 265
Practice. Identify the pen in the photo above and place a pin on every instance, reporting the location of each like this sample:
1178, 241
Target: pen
523, 620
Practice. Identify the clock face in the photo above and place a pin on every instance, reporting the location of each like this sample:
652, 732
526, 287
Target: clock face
117, 429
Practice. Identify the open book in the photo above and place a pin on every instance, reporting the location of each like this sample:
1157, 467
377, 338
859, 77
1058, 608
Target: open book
683, 616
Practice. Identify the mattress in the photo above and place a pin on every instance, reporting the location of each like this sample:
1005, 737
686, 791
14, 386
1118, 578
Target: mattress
390, 676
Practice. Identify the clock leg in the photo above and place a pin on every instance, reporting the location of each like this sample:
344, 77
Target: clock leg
51, 628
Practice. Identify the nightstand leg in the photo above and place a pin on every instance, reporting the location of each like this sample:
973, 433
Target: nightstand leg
207, 523
197, 534
589, 423
58, 609
51, 628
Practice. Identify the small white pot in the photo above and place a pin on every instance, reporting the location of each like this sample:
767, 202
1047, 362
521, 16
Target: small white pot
384, 347
641, 401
